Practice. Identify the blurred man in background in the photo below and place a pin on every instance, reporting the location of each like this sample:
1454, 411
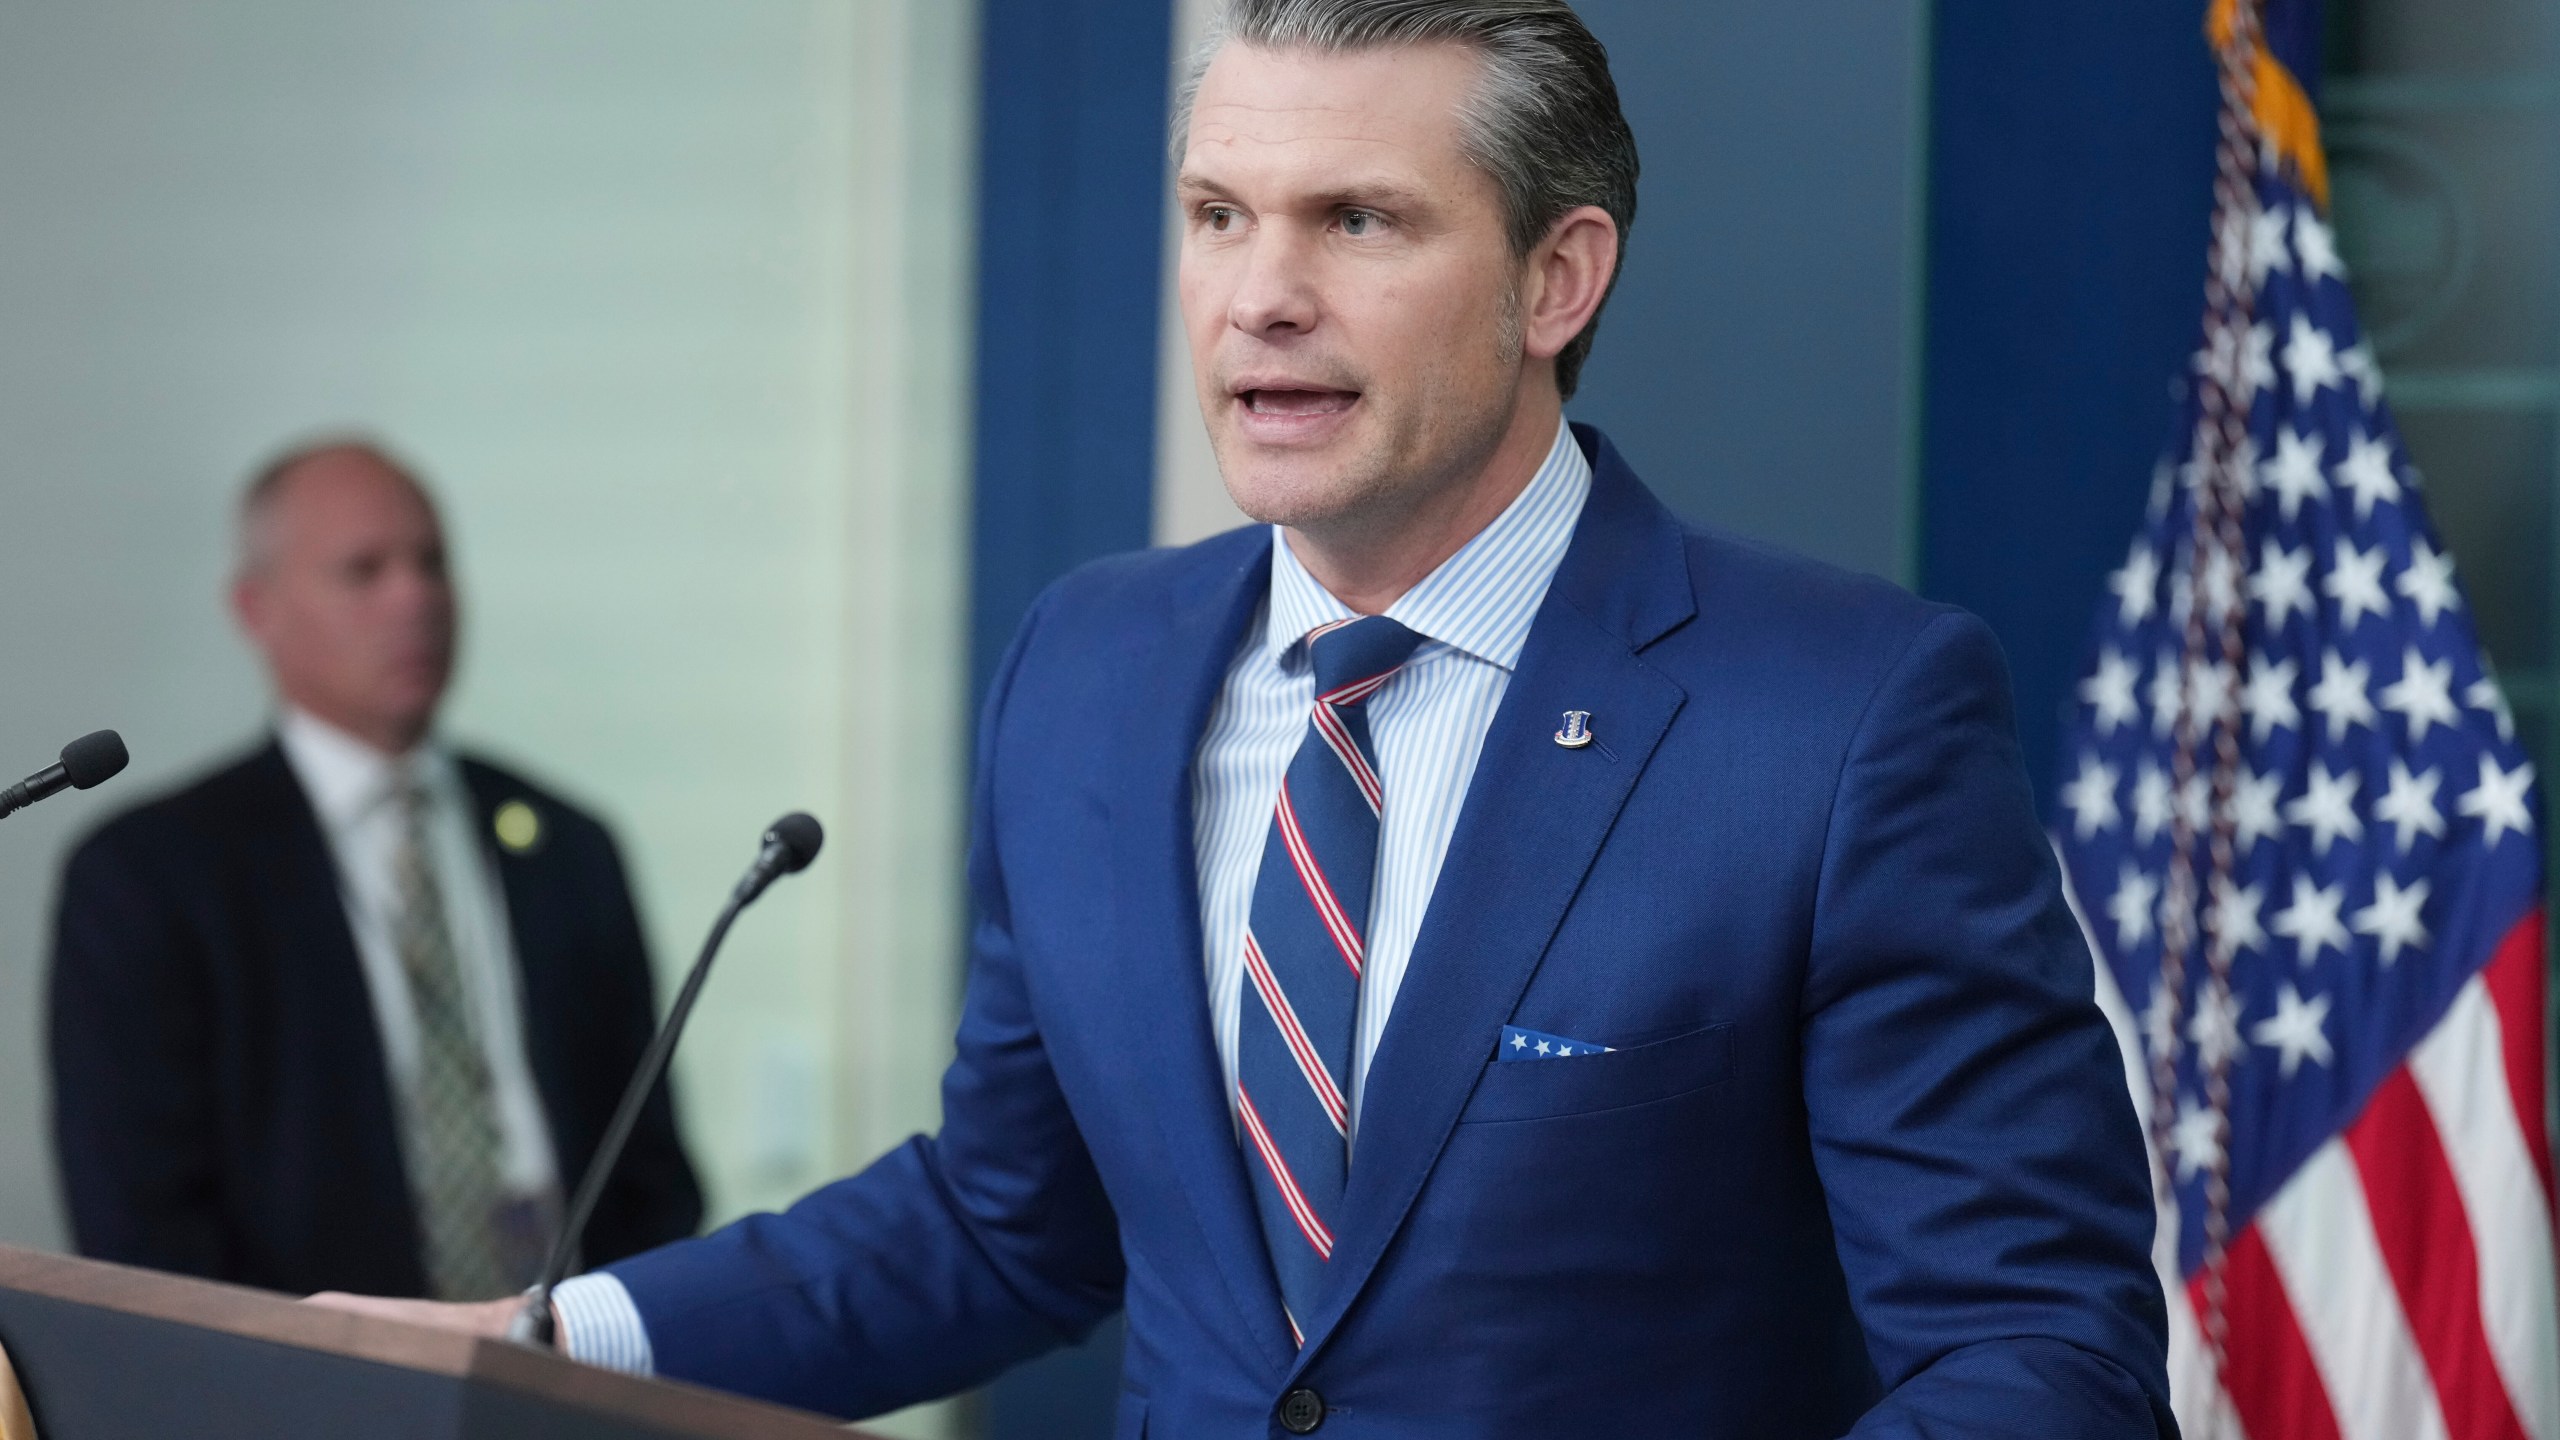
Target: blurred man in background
352, 1012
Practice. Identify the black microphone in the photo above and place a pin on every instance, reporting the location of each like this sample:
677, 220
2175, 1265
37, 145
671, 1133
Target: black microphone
789, 845
87, 761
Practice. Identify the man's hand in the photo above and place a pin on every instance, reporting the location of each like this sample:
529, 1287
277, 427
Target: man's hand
487, 1317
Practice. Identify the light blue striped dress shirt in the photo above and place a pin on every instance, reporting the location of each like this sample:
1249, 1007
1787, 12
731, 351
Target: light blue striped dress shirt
1428, 723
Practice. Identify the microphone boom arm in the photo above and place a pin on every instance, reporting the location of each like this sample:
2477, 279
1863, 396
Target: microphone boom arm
789, 846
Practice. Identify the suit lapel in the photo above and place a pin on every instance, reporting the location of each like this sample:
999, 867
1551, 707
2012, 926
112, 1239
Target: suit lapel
487, 792
1535, 816
540, 932
539, 926
1178, 666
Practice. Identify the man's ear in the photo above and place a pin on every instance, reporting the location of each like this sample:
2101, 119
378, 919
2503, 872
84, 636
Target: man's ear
248, 605
1569, 275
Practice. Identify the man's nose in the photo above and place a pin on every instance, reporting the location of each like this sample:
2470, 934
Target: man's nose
1277, 292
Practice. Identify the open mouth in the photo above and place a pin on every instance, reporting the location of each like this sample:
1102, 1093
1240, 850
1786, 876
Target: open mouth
1298, 402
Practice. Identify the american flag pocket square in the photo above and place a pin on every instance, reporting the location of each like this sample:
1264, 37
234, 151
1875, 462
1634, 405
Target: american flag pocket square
1519, 1044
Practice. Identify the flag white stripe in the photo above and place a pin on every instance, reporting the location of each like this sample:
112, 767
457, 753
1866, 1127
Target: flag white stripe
2195, 1392
2320, 1236
2196, 1395
2461, 1072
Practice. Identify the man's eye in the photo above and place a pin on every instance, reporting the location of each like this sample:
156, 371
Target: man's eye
1220, 219
1358, 222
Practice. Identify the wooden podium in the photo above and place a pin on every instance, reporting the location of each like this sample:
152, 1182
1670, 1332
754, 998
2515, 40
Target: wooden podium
110, 1353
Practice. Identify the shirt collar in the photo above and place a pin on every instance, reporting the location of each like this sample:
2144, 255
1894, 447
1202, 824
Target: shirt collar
1481, 600
345, 777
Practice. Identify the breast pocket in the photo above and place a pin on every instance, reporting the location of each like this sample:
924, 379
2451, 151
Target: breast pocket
1613, 1080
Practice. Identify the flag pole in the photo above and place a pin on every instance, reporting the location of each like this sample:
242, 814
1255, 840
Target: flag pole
2215, 595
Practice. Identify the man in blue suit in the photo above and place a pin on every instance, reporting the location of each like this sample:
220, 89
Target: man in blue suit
1472, 956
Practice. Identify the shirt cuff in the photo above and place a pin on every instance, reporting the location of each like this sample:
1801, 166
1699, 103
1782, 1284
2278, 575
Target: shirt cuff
600, 1326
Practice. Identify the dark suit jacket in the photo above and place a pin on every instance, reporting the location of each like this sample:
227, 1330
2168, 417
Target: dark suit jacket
221, 1106
1863, 1159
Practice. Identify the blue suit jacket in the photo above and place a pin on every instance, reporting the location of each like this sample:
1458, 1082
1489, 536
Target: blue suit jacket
1863, 1158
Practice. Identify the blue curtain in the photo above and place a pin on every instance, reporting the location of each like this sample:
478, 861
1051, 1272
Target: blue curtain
1070, 245
2070, 176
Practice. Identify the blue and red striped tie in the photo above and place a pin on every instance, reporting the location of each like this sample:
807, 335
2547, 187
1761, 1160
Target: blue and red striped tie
1303, 954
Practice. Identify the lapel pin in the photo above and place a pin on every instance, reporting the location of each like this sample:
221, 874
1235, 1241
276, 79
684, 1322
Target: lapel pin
519, 827
1577, 730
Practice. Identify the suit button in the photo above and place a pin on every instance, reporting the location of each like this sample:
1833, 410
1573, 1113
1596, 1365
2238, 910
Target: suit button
1301, 1411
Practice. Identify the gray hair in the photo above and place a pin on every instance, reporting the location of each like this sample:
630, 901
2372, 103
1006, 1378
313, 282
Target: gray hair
1543, 122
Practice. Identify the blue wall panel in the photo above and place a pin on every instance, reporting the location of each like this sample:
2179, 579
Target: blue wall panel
2070, 174
1070, 241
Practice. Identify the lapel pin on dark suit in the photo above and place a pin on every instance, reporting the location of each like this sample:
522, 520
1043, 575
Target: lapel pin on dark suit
1577, 730
518, 826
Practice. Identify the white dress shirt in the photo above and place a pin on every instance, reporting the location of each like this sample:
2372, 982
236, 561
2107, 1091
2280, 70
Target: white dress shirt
355, 791
1428, 724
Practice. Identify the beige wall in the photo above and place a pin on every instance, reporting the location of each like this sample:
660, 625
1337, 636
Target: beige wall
668, 298
1191, 501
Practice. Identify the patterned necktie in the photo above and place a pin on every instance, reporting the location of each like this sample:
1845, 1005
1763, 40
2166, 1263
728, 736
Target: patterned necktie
1303, 952
452, 1132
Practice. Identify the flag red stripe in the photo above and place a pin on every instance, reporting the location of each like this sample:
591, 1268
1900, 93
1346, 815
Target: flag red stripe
2274, 1385
2426, 1243
2515, 982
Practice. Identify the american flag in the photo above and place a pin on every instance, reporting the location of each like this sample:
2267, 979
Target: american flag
2305, 844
